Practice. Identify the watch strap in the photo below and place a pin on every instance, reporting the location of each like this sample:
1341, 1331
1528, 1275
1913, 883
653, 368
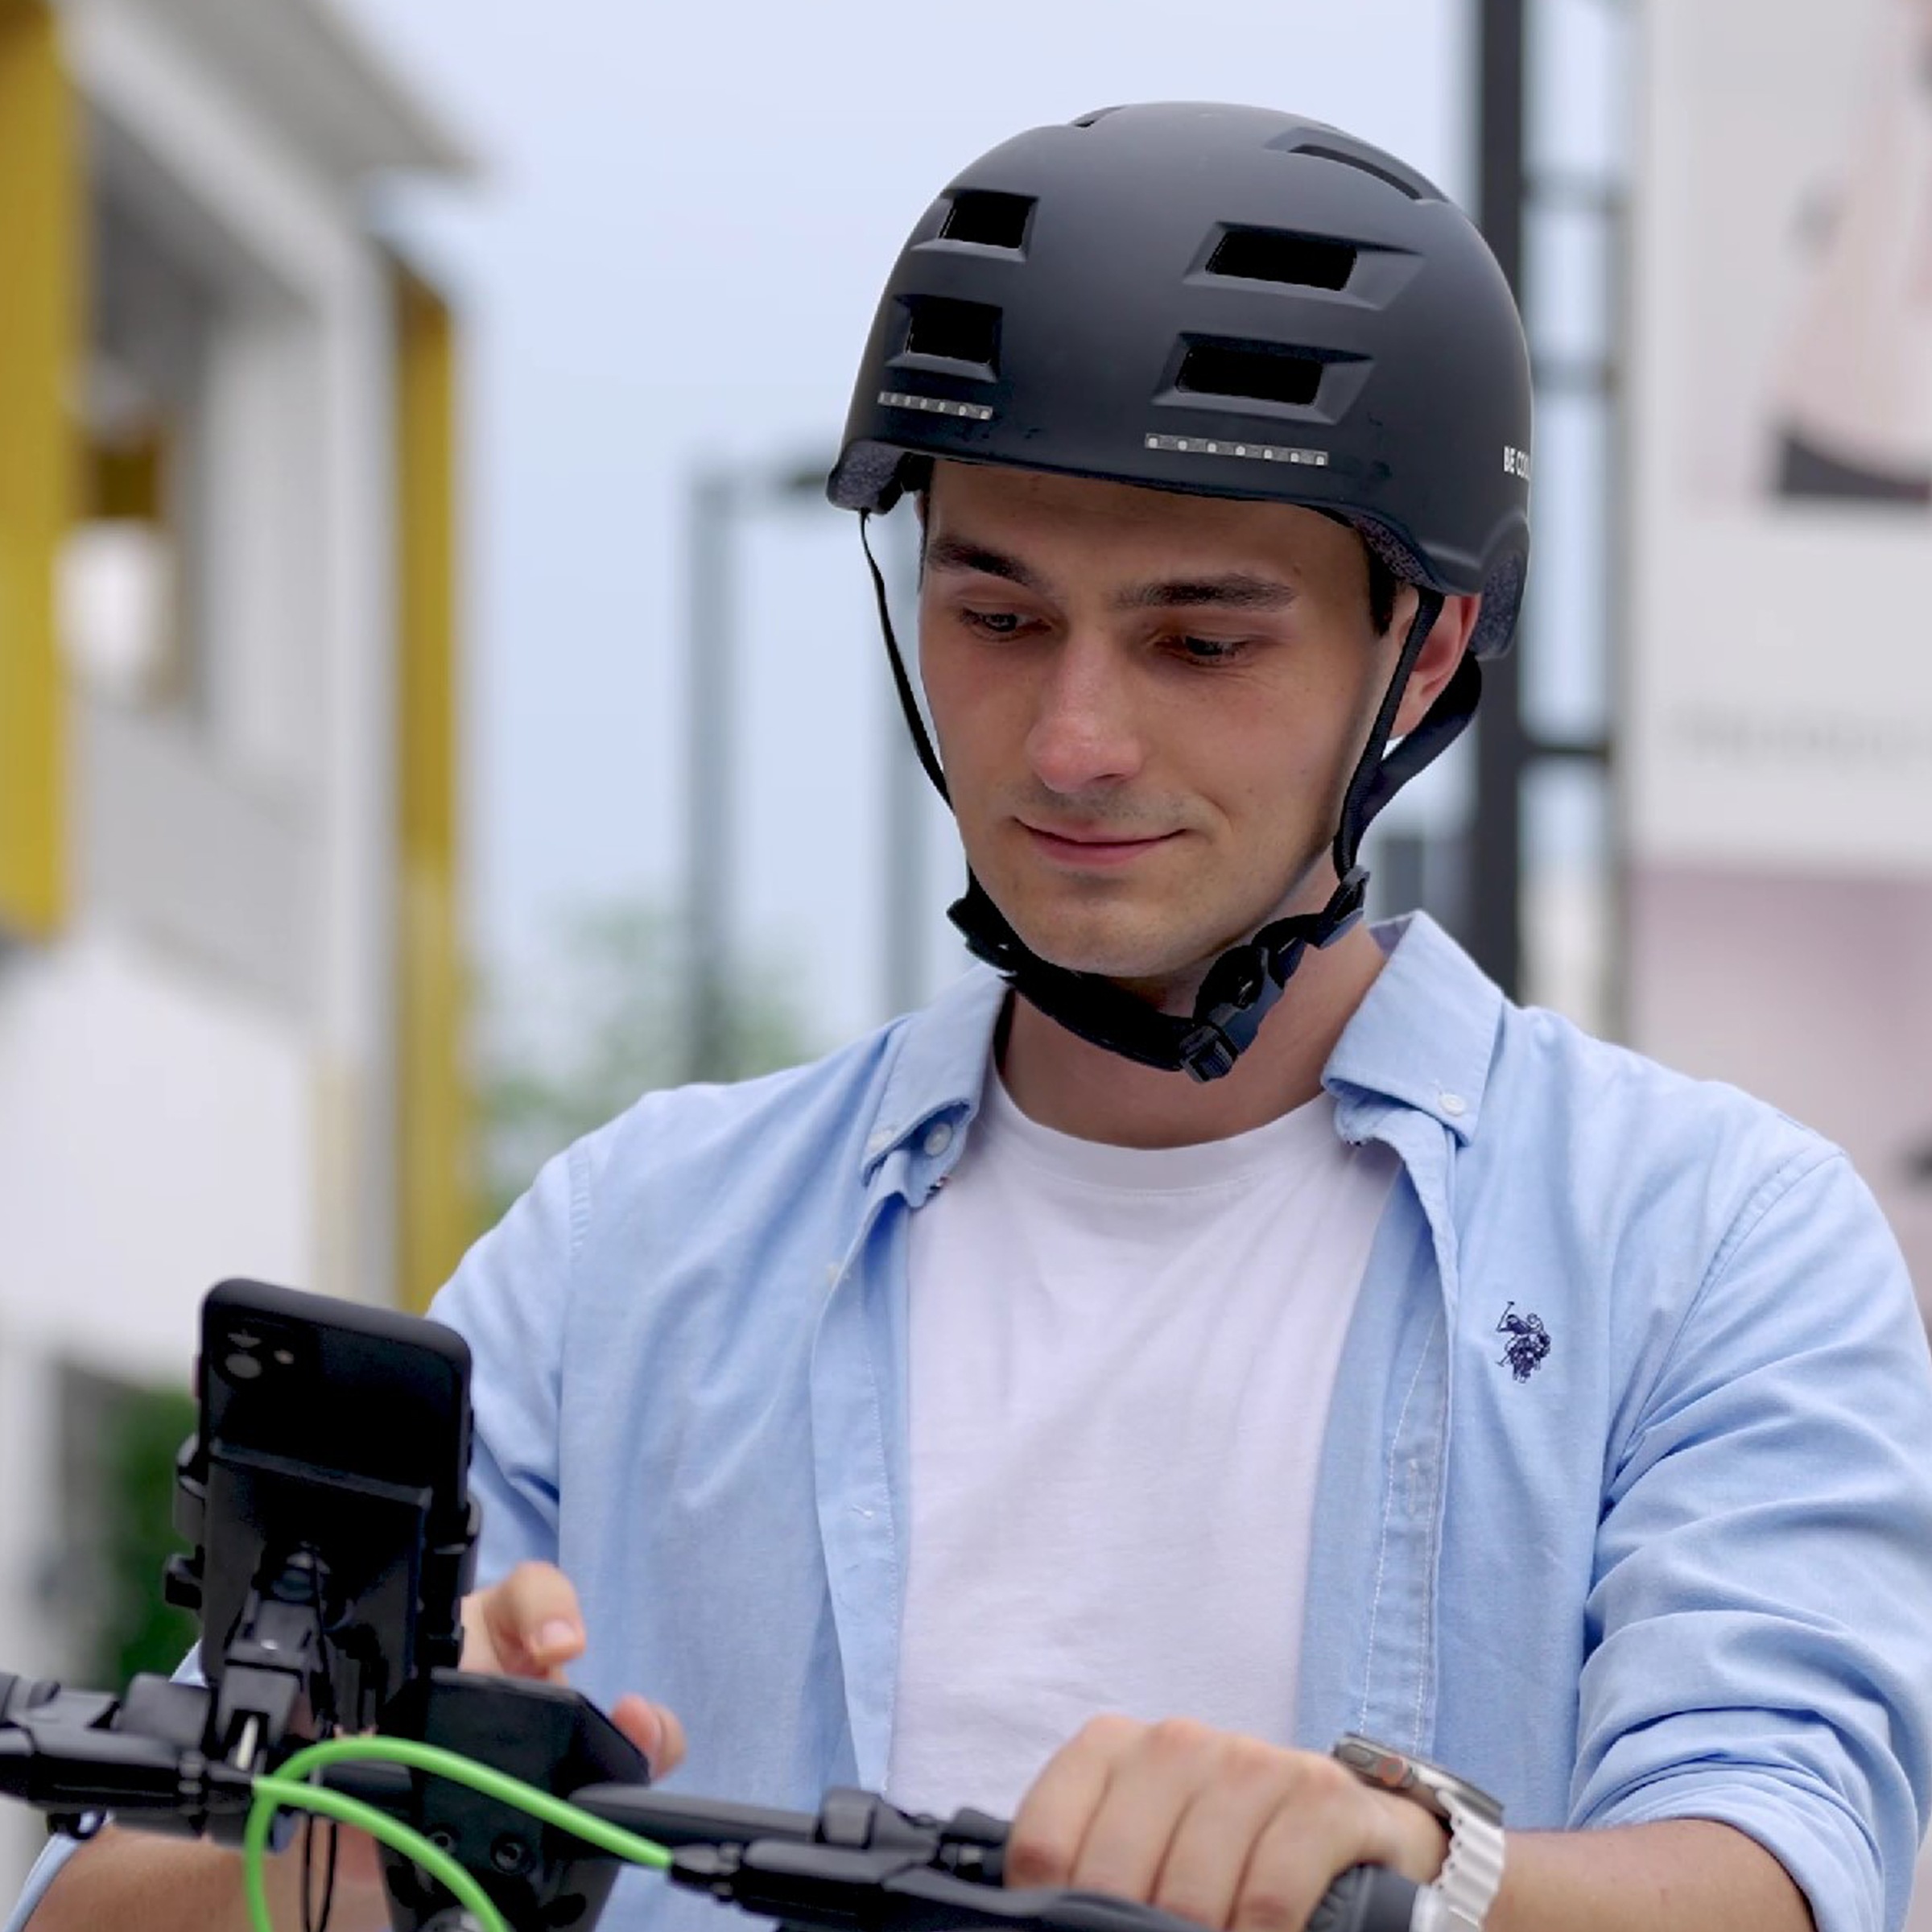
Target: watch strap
1459, 1897
1472, 1873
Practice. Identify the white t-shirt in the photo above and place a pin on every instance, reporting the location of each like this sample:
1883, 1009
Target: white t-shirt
1121, 1361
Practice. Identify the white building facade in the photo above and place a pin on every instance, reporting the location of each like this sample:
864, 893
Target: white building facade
229, 988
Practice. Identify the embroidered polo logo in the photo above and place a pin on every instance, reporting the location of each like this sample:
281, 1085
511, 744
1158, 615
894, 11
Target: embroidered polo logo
1529, 1343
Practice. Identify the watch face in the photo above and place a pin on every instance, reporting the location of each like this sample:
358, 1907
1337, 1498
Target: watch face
1376, 1764
1413, 1777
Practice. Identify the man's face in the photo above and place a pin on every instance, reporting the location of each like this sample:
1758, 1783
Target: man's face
1148, 705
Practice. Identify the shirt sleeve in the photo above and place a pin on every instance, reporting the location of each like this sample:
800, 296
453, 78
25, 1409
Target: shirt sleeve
509, 1299
1760, 1617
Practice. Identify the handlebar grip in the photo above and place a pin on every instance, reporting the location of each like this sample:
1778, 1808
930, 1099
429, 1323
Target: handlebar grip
1366, 1898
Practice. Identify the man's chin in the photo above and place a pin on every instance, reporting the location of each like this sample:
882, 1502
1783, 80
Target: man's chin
1146, 967
1130, 942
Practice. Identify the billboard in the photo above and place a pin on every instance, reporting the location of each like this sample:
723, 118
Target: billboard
1776, 781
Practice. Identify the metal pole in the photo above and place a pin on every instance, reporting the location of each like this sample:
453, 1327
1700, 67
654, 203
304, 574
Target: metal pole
1495, 872
710, 839
903, 912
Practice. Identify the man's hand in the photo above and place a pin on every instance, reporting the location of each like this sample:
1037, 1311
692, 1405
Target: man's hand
1224, 1830
531, 1625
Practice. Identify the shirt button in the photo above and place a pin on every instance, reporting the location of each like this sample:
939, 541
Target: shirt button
1455, 1105
938, 1137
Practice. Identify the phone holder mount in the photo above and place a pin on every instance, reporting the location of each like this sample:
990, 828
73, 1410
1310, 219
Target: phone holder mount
309, 1592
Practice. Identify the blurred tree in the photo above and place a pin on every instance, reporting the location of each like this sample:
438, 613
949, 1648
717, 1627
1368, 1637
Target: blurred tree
140, 1631
117, 1442
598, 1016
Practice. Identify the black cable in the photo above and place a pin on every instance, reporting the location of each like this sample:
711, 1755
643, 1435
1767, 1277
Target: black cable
326, 1726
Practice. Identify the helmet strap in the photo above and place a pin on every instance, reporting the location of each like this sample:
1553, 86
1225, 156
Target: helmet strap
1241, 986
909, 701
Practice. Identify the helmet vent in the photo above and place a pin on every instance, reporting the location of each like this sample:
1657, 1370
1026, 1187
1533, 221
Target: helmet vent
954, 331
1269, 254
1247, 370
1318, 152
990, 220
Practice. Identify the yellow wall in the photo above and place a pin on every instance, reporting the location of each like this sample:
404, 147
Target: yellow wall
40, 310
435, 1198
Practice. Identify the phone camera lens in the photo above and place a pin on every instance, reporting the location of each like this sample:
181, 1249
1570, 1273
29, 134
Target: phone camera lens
243, 1367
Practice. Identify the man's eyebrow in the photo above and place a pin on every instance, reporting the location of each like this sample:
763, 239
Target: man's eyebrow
960, 554
1234, 590
1230, 590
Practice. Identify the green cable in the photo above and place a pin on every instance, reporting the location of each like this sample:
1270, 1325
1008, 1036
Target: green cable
542, 1805
499, 1784
274, 1793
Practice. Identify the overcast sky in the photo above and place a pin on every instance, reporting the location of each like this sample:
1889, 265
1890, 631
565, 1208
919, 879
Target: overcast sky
671, 257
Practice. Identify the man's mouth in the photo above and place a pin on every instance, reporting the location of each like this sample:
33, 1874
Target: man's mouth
1090, 846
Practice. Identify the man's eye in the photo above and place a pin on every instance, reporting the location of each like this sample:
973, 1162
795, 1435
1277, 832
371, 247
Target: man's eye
994, 623
1208, 650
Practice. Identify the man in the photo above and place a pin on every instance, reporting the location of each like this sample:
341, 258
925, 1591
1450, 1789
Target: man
1221, 1328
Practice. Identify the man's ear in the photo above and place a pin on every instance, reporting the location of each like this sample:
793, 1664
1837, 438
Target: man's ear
1436, 663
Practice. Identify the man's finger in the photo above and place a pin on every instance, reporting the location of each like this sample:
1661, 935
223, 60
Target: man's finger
1281, 1884
1209, 1849
534, 1621
1050, 1826
1330, 1822
1150, 1786
653, 1729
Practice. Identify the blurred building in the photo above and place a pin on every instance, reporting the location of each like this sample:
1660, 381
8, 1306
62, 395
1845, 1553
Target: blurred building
228, 971
1778, 696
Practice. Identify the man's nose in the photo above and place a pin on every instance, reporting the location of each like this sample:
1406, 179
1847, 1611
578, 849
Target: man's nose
1085, 729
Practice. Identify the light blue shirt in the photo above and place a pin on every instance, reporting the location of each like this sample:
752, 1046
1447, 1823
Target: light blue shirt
1678, 1563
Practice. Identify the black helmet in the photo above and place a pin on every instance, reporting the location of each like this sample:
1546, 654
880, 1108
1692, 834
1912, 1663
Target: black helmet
1231, 302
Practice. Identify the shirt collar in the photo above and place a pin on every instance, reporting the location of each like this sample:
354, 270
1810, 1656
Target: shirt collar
939, 1068
1424, 1037
1425, 1034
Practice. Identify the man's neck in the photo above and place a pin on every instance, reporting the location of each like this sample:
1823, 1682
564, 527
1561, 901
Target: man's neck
1065, 1082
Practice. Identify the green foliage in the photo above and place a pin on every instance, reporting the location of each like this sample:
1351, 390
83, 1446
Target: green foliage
141, 1430
595, 1019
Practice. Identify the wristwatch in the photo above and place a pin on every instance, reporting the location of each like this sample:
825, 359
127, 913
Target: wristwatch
1466, 1887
